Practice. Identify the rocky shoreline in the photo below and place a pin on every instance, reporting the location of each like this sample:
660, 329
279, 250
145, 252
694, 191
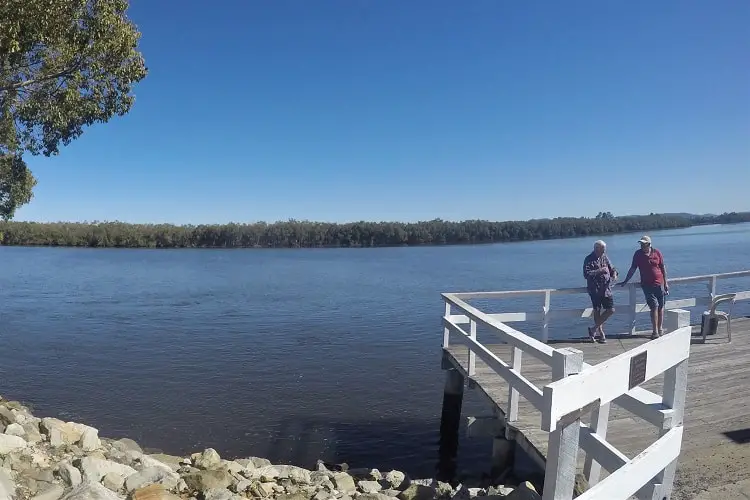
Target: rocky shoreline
48, 459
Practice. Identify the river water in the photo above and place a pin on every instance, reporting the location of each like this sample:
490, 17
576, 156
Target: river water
293, 355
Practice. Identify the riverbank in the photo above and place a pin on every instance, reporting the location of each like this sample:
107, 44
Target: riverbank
310, 234
48, 459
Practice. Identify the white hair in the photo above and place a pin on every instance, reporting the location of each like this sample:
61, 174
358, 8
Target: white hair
600, 243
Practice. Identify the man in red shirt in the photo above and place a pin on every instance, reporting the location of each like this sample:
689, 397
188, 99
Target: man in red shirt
650, 264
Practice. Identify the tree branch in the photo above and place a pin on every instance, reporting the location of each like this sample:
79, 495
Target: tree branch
25, 83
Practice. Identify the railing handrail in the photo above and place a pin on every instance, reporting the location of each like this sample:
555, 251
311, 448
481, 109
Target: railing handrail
575, 290
546, 312
530, 345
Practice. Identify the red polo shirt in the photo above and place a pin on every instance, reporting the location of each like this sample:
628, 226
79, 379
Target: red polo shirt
649, 266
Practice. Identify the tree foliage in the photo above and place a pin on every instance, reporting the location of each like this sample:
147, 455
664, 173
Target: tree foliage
64, 65
296, 234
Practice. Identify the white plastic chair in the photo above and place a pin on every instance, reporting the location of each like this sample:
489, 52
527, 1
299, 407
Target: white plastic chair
725, 315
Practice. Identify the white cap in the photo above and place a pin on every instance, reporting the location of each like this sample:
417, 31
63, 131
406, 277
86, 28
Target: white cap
645, 239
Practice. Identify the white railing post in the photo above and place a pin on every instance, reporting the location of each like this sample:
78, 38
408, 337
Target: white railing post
711, 288
515, 360
675, 393
632, 305
446, 331
545, 319
675, 319
472, 355
599, 423
562, 448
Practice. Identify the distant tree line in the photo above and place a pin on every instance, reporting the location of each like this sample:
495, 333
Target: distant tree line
299, 234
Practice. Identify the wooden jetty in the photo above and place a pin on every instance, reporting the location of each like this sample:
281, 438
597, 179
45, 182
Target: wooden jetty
634, 406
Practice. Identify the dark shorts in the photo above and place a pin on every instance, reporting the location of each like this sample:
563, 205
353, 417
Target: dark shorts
601, 302
654, 296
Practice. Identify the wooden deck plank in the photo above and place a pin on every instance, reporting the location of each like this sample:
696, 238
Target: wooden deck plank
718, 399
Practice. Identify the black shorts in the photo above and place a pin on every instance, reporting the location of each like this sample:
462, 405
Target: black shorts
601, 302
654, 296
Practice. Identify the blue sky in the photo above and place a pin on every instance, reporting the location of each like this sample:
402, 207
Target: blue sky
344, 110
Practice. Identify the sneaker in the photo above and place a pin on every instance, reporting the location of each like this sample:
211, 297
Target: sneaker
592, 334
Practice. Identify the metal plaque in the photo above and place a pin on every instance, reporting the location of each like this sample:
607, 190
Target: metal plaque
638, 369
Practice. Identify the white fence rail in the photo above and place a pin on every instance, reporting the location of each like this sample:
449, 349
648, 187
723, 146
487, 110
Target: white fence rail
579, 388
546, 314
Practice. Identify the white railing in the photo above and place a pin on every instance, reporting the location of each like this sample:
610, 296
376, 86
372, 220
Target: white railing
546, 314
651, 473
567, 435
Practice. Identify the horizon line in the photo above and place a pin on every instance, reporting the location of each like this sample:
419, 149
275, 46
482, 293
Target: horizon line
310, 221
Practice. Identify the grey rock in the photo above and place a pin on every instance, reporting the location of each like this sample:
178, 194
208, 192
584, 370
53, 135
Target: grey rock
395, 478
297, 474
374, 496
260, 462
126, 444
53, 492
152, 475
391, 493
6, 416
343, 482
15, 429
267, 473
232, 467
7, 487
146, 461
461, 493
246, 463
89, 490
69, 474
182, 486
375, 475
61, 432
499, 491
41, 475
260, 490
31, 432
477, 492
242, 485
424, 482
293, 496
89, 439
209, 459
9, 444
369, 486
444, 489
323, 495
170, 461
94, 469
417, 491
208, 479
114, 482
219, 494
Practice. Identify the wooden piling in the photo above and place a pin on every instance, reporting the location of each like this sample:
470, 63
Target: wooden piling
450, 421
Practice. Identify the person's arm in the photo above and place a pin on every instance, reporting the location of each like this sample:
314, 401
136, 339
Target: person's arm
612, 269
631, 272
663, 271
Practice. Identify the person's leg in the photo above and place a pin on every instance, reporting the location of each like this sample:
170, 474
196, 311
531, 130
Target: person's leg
608, 308
648, 292
660, 309
596, 305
